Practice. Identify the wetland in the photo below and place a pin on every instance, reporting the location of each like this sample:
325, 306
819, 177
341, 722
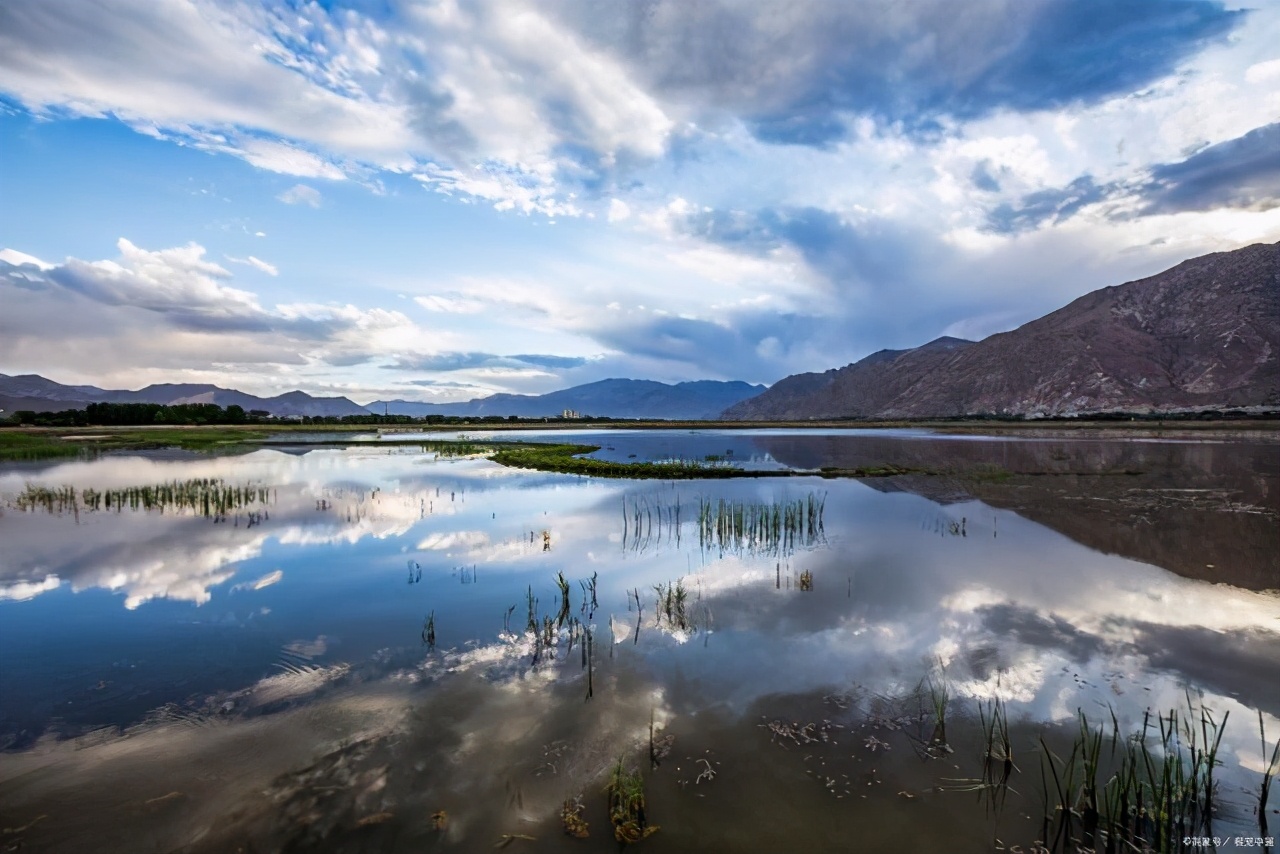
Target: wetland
876, 640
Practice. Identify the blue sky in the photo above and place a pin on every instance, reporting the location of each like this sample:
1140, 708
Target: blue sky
438, 200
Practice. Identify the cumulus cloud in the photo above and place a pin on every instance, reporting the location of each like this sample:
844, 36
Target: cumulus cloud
174, 308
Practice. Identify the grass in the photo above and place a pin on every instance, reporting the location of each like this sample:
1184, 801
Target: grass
673, 602
36, 446
625, 792
569, 459
44, 444
203, 496
772, 528
1268, 774
1156, 795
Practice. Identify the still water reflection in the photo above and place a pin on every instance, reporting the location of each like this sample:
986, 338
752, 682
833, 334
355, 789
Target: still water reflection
164, 667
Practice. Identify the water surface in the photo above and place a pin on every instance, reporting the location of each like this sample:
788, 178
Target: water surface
164, 668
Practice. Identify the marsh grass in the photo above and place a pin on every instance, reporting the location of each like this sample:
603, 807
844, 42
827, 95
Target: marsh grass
563, 585
1268, 774
673, 602
625, 792
570, 459
199, 496
34, 446
1139, 794
775, 528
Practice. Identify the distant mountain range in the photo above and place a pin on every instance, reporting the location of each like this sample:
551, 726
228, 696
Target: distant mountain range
1202, 335
35, 393
616, 398
612, 398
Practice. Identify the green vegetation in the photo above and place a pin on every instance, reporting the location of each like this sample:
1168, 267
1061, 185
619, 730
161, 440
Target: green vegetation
204, 496
673, 602
775, 527
1153, 798
36, 446
626, 805
42, 445
567, 459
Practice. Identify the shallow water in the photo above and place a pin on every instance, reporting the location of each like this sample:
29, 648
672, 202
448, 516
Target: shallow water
163, 669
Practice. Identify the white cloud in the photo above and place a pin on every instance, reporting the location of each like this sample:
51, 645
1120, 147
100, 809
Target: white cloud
20, 591
299, 194
19, 259
288, 160
618, 210
258, 263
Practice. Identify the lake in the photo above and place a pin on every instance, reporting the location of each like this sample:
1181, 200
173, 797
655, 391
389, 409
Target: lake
310, 648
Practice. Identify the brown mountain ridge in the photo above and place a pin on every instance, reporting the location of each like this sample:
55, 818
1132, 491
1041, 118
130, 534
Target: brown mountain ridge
1202, 335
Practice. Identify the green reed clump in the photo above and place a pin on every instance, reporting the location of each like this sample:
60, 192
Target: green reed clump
673, 602
760, 527
58, 499
1144, 795
201, 496
625, 792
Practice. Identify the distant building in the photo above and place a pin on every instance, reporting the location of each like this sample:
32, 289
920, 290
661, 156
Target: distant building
571, 413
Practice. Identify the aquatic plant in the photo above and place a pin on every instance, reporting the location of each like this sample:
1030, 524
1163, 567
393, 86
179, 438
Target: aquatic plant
201, 496
564, 599
773, 527
1268, 774
571, 818
673, 603
625, 793
1157, 796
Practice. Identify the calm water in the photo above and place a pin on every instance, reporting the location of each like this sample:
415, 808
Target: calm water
261, 680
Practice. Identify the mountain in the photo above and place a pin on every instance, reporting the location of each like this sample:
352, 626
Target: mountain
613, 398
34, 392
1202, 335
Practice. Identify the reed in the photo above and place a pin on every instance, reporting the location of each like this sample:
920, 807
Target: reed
775, 528
1268, 774
625, 792
1140, 796
200, 496
563, 586
673, 603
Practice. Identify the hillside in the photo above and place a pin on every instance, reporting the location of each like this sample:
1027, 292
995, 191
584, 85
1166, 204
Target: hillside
1204, 334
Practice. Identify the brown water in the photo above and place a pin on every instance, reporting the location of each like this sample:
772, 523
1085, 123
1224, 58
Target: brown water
173, 681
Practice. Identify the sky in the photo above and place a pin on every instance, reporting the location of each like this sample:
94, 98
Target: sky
438, 201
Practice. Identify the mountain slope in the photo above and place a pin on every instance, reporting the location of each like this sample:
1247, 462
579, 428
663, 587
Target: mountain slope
35, 393
1204, 334
615, 398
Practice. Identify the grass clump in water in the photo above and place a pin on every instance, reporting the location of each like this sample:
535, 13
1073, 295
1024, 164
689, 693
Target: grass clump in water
626, 805
761, 527
570, 459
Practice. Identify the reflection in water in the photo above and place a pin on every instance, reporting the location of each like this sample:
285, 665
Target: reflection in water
859, 687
